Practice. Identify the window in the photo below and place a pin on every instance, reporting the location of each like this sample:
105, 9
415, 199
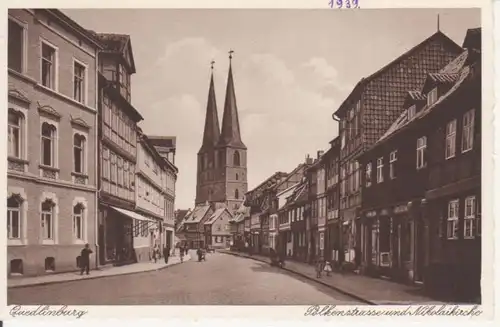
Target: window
79, 82
468, 131
236, 158
393, 157
342, 139
236, 194
356, 179
14, 133
48, 144
15, 46
432, 96
14, 217
237, 176
411, 112
470, 217
451, 135
452, 222
78, 221
47, 220
48, 66
421, 146
368, 173
78, 153
380, 172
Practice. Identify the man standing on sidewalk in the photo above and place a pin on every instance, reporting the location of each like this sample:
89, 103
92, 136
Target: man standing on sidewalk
85, 259
166, 253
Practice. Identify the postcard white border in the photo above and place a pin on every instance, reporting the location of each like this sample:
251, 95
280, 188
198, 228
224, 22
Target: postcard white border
233, 314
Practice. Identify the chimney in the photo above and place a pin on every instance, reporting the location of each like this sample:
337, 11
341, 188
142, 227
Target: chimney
319, 153
309, 160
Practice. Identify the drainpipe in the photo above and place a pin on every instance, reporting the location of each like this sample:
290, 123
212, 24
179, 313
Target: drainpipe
97, 153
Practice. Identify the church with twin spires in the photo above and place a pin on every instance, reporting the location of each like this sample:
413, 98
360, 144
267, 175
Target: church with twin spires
222, 158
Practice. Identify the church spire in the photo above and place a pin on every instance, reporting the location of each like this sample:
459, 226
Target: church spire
212, 131
230, 133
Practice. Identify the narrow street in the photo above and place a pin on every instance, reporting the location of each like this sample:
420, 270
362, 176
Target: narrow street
222, 279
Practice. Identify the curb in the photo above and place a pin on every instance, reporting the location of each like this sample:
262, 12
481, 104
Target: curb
309, 278
92, 277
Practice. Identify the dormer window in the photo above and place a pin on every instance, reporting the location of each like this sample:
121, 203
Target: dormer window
411, 112
432, 96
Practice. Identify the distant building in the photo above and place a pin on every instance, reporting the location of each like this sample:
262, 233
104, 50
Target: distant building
218, 229
151, 201
51, 149
165, 147
334, 227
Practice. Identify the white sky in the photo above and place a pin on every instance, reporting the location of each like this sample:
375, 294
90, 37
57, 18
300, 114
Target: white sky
292, 68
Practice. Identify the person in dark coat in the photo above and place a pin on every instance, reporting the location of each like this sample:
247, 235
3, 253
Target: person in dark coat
199, 252
166, 253
85, 259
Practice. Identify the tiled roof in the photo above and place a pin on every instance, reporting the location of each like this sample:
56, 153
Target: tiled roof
450, 69
197, 214
442, 38
215, 216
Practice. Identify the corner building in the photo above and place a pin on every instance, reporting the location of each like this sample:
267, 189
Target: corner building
51, 181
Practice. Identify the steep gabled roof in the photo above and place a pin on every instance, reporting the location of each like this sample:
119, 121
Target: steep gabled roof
216, 215
198, 213
364, 81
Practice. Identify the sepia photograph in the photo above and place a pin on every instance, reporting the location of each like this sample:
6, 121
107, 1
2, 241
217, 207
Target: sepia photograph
244, 156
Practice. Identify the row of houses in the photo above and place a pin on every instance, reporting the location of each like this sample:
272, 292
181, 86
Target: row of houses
80, 169
397, 193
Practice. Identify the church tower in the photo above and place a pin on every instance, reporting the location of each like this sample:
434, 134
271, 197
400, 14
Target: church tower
222, 159
231, 151
207, 171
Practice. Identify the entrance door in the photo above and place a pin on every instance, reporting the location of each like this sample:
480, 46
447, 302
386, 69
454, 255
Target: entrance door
419, 248
102, 247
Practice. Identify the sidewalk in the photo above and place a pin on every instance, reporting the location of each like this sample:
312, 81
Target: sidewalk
135, 268
366, 289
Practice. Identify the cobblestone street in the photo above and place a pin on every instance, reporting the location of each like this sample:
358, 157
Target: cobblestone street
222, 279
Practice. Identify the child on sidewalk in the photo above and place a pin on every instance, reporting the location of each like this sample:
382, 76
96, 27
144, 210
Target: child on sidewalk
328, 268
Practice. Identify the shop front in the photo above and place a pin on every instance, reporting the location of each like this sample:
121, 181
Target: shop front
115, 236
391, 242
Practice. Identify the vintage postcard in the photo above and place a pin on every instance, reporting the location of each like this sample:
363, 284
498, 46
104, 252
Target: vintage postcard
327, 155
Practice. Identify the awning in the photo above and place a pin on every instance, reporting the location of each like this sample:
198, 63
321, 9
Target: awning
133, 215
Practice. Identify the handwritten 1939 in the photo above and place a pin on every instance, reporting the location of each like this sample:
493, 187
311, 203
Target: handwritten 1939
348, 4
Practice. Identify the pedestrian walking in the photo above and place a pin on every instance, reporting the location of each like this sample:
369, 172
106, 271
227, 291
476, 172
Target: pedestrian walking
319, 267
166, 253
155, 253
199, 252
182, 254
85, 259
328, 268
